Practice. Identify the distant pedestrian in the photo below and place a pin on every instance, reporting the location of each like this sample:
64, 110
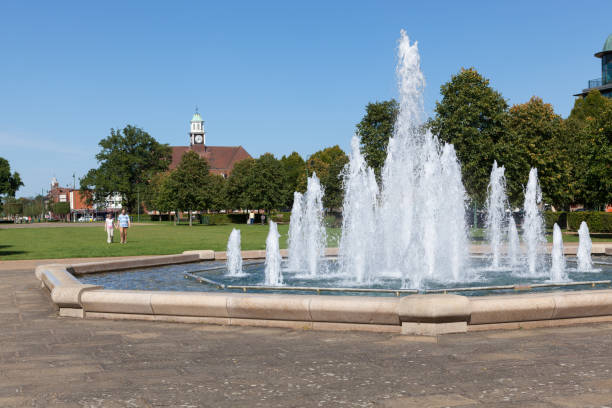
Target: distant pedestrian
109, 226
251, 217
263, 219
124, 224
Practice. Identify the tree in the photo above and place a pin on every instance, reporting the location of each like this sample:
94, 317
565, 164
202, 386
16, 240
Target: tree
61, 208
237, 185
294, 167
128, 160
590, 126
158, 195
12, 207
536, 138
266, 183
190, 183
9, 183
471, 117
328, 165
375, 130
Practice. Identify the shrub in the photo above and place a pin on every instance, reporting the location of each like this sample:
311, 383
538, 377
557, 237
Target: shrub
559, 217
598, 221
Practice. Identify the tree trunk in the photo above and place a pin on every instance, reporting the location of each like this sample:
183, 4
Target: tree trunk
176, 217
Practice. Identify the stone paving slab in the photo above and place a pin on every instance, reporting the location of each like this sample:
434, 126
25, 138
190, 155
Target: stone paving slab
48, 361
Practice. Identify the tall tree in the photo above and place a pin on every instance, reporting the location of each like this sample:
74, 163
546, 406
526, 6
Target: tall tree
159, 196
471, 117
590, 126
128, 159
267, 181
236, 188
328, 165
293, 168
536, 138
375, 130
191, 184
9, 182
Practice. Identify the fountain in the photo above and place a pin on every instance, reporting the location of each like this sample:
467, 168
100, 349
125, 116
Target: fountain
234, 256
415, 225
533, 225
513, 243
273, 274
585, 263
295, 261
356, 254
307, 235
557, 270
496, 205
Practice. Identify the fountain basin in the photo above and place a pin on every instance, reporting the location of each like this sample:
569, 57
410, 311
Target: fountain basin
411, 314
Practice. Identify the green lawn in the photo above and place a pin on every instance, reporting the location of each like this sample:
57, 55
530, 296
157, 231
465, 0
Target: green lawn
478, 235
158, 239
78, 242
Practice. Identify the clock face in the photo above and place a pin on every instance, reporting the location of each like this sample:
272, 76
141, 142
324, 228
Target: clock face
198, 139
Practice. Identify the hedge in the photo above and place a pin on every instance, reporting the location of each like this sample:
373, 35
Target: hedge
598, 221
559, 217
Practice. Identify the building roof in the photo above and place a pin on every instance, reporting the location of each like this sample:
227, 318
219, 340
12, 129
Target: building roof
606, 48
221, 159
196, 117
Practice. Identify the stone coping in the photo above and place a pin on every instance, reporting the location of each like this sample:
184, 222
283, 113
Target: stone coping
430, 314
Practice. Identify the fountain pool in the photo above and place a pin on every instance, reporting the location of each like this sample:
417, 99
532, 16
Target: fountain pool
173, 278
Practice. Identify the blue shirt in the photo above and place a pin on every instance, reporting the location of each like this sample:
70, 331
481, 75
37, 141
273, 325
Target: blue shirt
124, 220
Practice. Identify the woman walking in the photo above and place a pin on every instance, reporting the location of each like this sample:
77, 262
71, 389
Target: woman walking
109, 226
124, 224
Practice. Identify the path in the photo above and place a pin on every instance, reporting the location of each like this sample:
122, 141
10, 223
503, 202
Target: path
47, 361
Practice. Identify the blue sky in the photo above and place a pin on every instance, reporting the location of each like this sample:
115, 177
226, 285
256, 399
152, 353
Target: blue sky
270, 76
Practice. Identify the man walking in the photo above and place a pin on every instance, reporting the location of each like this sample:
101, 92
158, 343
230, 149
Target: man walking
124, 224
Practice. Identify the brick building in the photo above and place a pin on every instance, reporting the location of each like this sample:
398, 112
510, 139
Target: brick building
221, 159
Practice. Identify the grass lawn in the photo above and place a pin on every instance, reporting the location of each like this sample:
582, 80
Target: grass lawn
158, 239
79, 242
478, 235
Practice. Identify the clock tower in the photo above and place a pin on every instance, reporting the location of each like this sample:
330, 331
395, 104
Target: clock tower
197, 136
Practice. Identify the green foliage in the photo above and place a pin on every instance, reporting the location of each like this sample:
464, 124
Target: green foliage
9, 183
12, 206
190, 185
257, 184
266, 184
590, 124
128, 160
375, 130
237, 185
294, 168
471, 117
328, 165
60, 208
598, 221
535, 137
552, 217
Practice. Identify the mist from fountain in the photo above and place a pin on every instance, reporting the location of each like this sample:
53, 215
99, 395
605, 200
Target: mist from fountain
513, 243
307, 234
295, 261
533, 225
315, 235
234, 255
496, 205
273, 273
557, 270
419, 213
585, 263
358, 247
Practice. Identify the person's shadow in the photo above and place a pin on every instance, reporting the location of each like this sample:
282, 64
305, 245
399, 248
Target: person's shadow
4, 252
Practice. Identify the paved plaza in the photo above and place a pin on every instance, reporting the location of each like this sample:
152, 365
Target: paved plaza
47, 361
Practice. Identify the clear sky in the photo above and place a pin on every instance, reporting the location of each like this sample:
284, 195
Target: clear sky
270, 76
